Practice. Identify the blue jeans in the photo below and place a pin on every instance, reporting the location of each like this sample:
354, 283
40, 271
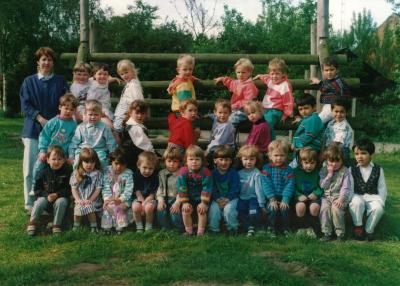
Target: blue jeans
168, 220
248, 213
237, 116
229, 213
273, 218
59, 208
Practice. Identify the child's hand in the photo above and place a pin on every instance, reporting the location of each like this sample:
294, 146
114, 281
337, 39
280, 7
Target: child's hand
70, 161
222, 202
297, 119
338, 203
202, 208
315, 80
117, 201
257, 77
302, 198
52, 197
42, 157
312, 197
161, 205
330, 168
186, 207
284, 206
274, 205
175, 208
218, 79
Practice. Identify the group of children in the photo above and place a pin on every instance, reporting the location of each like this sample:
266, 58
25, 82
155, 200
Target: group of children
115, 169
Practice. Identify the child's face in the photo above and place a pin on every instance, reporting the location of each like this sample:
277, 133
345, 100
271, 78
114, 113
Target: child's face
329, 72
55, 161
222, 114
194, 163
276, 75
363, 158
223, 164
92, 116
249, 162
81, 77
126, 74
172, 165
118, 167
190, 112
45, 64
88, 166
277, 157
308, 165
138, 116
305, 110
339, 113
66, 111
242, 73
101, 76
335, 165
185, 70
253, 115
146, 168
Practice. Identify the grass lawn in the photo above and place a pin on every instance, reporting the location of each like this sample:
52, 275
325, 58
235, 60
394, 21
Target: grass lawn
166, 258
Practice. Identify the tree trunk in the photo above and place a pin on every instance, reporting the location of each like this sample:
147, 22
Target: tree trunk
4, 101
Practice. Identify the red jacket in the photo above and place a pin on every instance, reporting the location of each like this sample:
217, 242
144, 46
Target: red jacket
181, 131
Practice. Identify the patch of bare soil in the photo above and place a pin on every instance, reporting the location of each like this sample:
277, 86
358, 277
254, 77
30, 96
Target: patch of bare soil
152, 257
84, 269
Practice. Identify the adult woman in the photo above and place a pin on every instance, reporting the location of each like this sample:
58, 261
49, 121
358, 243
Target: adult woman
39, 97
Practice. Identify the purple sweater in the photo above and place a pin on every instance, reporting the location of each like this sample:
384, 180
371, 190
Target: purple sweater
260, 135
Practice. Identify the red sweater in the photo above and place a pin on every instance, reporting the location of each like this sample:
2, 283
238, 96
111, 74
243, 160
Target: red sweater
181, 131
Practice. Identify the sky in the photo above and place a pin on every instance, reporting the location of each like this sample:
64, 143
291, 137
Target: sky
341, 11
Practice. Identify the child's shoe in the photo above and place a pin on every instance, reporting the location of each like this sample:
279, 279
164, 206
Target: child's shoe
271, 232
358, 232
119, 230
251, 232
94, 229
31, 229
326, 237
370, 236
56, 229
107, 231
76, 226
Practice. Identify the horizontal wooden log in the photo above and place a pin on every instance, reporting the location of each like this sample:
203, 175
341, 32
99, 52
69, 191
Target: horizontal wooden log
162, 143
302, 59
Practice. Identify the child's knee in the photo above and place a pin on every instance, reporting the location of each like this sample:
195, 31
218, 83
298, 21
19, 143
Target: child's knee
300, 209
314, 209
136, 207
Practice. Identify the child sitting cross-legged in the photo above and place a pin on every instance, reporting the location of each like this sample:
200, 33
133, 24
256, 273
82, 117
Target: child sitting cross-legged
144, 190
251, 196
278, 186
194, 189
225, 191
308, 192
51, 190
86, 184
168, 205
117, 192
337, 186
369, 191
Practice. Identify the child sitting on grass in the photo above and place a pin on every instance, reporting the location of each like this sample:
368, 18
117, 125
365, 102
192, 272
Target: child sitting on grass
194, 189
225, 192
144, 190
243, 89
369, 191
337, 186
117, 192
278, 186
86, 184
51, 190
168, 205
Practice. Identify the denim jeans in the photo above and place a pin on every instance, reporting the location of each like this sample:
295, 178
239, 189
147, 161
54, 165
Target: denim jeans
248, 213
59, 208
168, 220
229, 213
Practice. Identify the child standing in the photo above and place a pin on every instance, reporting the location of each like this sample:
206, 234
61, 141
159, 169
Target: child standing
308, 192
131, 92
339, 130
337, 186
51, 190
251, 197
168, 205
369, 190
260, 132
80, 87
194, 189
86, 183
99, 91
225, 192
134, 137
243, 89
117, 192
278, 99
331, 87
181, 129
278, 185
94, 134
58, 131
145, 187
222, 131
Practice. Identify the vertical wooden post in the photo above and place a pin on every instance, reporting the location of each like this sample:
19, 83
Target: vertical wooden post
313, 68
322, 28
83, 51
93, 36
4, 92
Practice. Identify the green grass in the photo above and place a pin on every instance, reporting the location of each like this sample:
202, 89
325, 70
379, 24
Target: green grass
165, 258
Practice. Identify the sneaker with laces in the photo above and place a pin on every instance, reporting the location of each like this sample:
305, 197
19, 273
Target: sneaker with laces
251, 232
56, 229
31, 229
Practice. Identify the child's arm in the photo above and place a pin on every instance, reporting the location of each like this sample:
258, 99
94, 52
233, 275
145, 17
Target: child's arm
45, 138
326, 178
140, 139
127, 194
94, 196
312, 129
382, 190
315, 80
181, 184
234, 185
207, 186
220, 79
152, 188
112, 80
267, 184
263, 77
187, 134
75, 142
161, 192
288, 190
109, 139
288, 102
346, 191
259, 188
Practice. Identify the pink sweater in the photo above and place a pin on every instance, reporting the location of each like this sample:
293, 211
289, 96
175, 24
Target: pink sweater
278, 96
241, 91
